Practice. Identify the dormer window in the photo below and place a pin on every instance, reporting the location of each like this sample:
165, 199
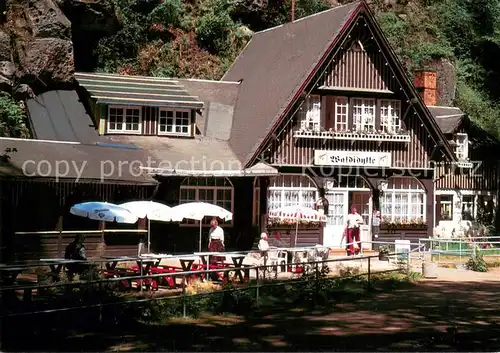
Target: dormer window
174, 122
310, 113
124, 120
462, 146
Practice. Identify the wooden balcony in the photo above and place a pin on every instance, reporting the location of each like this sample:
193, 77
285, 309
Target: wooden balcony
354, 136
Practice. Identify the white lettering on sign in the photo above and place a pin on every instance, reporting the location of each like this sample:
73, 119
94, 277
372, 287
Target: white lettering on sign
348, 158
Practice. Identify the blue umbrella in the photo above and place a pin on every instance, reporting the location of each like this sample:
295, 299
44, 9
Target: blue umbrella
103, 211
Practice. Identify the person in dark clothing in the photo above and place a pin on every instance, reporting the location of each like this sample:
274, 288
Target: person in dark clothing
76, 251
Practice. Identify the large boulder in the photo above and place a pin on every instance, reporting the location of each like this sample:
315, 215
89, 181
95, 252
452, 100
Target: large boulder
5, 46
7, 69
49, 60
46, 20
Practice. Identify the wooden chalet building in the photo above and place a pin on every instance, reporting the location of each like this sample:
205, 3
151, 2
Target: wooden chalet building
319, 104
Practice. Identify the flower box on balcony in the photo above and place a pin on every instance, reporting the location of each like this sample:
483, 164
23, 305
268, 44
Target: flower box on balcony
400, 136
401, 226
313, 134
372, 136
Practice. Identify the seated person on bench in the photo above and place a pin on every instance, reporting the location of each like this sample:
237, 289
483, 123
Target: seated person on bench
76, 251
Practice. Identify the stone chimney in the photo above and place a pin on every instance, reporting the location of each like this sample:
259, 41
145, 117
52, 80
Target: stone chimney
425, 83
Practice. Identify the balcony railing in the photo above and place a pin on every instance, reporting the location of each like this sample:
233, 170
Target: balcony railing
401, 136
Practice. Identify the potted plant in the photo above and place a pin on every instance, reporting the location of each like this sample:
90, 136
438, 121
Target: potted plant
383, 252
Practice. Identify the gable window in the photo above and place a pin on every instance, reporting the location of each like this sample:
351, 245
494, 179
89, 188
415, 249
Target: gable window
462, 147
363, 114
341, 113
403, 201
291, 190
217, 191
174, 122
310, 113
390, 121
124, 119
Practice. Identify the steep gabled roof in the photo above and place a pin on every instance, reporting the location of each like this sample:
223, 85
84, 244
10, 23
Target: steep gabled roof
447, 118
278, 64
273, 67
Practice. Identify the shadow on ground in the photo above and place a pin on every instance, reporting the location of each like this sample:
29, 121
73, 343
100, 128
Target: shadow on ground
428, 316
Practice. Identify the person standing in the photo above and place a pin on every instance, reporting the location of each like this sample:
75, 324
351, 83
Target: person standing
216, 240
351, 232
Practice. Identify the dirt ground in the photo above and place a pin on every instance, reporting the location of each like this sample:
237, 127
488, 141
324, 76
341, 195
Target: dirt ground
458, 311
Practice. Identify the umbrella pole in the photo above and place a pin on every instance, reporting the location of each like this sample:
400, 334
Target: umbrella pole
149, 236
296, 232
200, 235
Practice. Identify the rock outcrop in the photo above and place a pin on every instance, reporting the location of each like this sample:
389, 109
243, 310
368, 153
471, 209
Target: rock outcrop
35, 46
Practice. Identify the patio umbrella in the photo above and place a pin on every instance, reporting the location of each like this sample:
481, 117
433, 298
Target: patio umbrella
297, 213
197, 211
154, 211
103, 211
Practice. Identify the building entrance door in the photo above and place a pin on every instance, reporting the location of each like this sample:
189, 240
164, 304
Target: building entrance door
362, 200
336, 218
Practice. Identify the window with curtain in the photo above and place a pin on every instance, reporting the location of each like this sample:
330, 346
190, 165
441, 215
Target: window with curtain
291, 190
403, 201
462, 146
217, 191
363, 114
390, 121
310, 113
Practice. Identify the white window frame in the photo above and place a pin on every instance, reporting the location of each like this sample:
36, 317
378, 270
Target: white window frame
462, 147
339, 104
359, 121
390, 194
174, 125
390, 111
310, 113
197, 189
283, 190
449, 204
124, 120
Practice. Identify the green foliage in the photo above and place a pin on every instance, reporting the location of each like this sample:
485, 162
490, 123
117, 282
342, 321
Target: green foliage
214, 27
12, 117
476, 262
168, 13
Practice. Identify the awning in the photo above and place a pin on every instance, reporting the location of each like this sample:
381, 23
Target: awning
137, 90
260, 169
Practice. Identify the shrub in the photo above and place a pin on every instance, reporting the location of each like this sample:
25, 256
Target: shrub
476, 262
12, 117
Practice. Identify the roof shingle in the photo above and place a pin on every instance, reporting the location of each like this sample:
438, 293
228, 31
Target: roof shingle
273, 66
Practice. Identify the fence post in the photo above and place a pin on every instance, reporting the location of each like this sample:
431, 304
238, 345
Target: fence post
460, 250
317, 283
257, 285
369, 272
183, 295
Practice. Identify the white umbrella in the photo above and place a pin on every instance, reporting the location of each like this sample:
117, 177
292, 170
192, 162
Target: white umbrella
155, 211
197, 211
103, 211
297, 213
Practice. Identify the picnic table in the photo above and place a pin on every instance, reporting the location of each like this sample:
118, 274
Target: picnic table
8, 274
56, 265
293, 265
237, 259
